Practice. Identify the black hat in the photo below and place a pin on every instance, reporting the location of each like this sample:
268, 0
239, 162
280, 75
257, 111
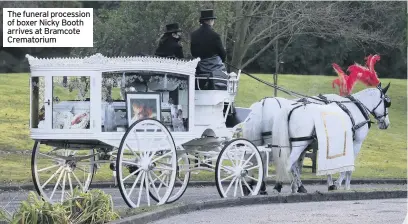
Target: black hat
207, 14
172, 28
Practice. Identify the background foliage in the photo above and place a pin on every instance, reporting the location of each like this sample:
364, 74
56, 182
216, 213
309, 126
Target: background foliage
311, 35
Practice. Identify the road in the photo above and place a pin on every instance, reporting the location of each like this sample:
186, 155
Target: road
334, 212
11, 200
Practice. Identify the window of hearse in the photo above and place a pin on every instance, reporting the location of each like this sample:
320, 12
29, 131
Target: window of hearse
71, 102
133, 95
37, 102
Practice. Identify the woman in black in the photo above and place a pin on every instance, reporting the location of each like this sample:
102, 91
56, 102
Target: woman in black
169, 44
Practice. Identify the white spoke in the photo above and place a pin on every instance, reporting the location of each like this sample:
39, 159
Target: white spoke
140, 189
235, 187
130, 163
242, 158
70, 184
135, 183
233, 163
147, 189
52, 176
227, 177
164, 168
246, 161
134, 152
236, 157
63, 187
79, 182
252, 178
154, 187
47, 168
52, 157
56, 185
81, 170
240, 187
246, 184
226, 192
227, 168
254, 167
133, 173
162, 181
161, 157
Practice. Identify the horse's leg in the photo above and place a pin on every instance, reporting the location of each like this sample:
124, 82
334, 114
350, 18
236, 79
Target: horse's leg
298, 148
339, 181
356, 147
348, 179
330, 184
262, 191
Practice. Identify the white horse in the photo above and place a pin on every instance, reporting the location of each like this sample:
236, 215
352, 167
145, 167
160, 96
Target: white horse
257, 127
299, 128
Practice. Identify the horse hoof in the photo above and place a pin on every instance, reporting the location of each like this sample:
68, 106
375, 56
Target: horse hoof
246, 190
263, 192
302, 189
263, 186
332, 187
278, 187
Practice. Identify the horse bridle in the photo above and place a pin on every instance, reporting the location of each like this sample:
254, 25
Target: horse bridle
387, 103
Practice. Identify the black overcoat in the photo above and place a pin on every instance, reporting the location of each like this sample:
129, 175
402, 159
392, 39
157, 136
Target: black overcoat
206, 43
169, 47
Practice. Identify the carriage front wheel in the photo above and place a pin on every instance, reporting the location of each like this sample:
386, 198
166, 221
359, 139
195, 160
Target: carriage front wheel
239, 170
146, 163
56, 172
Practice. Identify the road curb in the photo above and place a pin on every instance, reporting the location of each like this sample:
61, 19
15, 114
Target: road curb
282, 198
30, 187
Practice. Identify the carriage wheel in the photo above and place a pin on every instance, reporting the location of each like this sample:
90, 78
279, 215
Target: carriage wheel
56, 172
182, 179
146, 161
241, 164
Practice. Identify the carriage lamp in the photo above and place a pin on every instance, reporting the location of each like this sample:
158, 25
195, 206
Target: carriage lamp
232, 83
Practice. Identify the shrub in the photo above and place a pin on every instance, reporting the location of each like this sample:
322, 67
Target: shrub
92, 207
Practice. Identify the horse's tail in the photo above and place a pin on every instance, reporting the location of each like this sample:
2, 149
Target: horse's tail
281, 145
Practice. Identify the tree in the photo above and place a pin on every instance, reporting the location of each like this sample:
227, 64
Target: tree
264, 22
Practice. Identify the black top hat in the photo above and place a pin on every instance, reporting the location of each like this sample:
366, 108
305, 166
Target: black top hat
207, 14
172, 28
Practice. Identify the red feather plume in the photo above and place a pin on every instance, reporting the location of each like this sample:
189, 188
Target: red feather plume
366, 75
341, 81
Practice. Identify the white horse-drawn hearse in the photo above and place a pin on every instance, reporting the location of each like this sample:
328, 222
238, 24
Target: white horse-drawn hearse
149, 119
145, 117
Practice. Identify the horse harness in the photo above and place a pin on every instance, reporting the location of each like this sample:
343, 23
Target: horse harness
355, 126
269, 133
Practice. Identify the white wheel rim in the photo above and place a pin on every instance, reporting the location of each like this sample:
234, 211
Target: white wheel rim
147, 162
182, 178
235, 166
56, 177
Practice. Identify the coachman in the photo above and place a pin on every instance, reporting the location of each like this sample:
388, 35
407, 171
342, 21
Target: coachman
206, 44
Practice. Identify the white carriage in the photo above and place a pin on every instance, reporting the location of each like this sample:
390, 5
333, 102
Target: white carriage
87, 112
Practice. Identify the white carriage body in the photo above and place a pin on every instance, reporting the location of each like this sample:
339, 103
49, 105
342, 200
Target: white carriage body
205, 107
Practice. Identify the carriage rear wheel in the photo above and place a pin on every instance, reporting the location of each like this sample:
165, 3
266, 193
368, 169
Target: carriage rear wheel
240, 164
182, 179
56, 172
147, 154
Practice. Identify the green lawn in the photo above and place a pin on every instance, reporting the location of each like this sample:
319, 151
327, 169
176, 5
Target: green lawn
384, 153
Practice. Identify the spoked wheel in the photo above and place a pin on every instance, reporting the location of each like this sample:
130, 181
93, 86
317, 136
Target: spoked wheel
56, 172
182, 179
239, 169
147, 161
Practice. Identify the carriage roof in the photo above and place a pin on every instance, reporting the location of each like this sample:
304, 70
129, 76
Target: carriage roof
101, 63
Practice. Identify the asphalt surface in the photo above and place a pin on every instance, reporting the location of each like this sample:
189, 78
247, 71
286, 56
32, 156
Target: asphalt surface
10, 200
334, 212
